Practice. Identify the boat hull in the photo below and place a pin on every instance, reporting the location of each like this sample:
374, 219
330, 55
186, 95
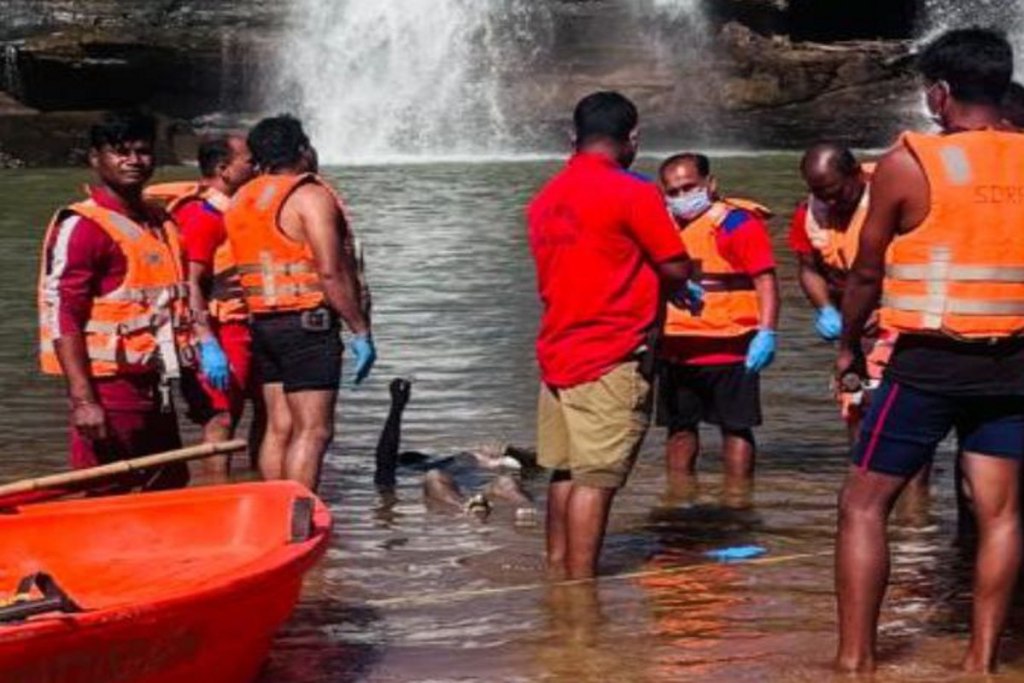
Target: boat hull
219, 631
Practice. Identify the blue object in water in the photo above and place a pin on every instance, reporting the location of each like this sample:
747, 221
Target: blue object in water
736, 553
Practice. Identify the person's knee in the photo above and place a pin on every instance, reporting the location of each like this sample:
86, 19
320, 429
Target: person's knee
318, 432
857, 505
745, 435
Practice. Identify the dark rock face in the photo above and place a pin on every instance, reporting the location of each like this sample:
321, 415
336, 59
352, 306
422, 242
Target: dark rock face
772, 72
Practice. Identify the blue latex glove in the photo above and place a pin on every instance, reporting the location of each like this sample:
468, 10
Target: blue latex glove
736, 553
762, 351
828, 323
690, 297
214, 364
365, 353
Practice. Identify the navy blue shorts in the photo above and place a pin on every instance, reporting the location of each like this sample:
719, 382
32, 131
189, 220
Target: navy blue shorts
905, 425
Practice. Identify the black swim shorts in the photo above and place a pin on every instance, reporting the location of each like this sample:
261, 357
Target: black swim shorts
298, 350
725, 395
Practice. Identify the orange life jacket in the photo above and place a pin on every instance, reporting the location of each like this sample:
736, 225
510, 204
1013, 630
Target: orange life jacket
278, 273
837, 245
226, 302
730, 301
961, 272
142, 325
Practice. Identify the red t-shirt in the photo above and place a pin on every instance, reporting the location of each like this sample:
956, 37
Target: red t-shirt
596, 232
799, 242
744, 241
83, 262
202, 231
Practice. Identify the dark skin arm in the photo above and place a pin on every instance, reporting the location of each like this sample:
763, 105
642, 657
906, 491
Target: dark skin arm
675, 272
767, 286
313, 213
87, 415
900, 200
812, 282
199, 275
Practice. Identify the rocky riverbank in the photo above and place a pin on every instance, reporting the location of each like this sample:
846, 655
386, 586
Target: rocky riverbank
766, 73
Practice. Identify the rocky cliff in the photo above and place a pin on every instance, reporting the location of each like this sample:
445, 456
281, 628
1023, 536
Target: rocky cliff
771, 71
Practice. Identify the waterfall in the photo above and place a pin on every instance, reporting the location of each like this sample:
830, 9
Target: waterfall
10, 72
1005, 15
376, 79
390, 79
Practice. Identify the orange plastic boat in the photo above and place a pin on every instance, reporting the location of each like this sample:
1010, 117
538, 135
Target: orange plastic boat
182, 586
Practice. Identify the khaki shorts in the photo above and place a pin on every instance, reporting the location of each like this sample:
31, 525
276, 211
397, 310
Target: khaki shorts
595, 429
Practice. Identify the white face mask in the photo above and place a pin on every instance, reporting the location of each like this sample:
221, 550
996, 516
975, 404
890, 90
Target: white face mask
688, 206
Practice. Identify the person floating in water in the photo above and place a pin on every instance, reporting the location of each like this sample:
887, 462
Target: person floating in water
114, 311
942, 248
292, 243
712, 359
600, 239
225, 164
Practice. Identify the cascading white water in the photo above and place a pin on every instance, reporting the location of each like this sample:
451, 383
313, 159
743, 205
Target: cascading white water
386, 79
1005, 15
375, 78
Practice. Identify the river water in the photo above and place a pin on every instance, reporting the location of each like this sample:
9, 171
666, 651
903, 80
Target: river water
409, 594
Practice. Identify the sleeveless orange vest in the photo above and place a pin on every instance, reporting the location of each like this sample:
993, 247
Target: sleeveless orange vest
837, 245
961, 272
730, 300
225, 301
277, 273
144, 324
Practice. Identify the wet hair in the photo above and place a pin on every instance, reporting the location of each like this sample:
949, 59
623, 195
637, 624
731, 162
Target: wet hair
278, 142
604, 116
119, 127
1013, 105
837, 158
699, 161
977, 64
213, 152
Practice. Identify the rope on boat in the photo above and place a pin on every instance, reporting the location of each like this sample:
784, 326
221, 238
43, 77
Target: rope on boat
442, 597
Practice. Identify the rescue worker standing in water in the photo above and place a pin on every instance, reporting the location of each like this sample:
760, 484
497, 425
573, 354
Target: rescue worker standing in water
114, 317
942, 249
712, 358
296, 258
216, 400
824, 235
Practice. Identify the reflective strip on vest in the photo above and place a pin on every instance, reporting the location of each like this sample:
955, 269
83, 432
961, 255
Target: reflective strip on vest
269, 270
937, 276
282, 290
108, 354
931, 272
931, 306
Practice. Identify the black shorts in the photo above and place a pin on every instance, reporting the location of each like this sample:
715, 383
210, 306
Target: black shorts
286, 351
724, 395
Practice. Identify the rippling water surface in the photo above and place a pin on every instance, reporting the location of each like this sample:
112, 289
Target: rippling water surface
407, 594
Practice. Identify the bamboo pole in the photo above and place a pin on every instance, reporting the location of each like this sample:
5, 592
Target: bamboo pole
66, 479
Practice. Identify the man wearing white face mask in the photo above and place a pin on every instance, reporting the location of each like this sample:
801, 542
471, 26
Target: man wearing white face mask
712, 357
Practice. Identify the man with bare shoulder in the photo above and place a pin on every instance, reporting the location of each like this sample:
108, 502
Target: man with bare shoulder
942, 249
292, 244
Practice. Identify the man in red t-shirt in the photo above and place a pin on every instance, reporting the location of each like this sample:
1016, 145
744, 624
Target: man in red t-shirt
712, 358
225, 164
600, 239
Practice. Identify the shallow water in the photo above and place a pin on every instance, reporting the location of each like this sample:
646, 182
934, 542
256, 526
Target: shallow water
407, 594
